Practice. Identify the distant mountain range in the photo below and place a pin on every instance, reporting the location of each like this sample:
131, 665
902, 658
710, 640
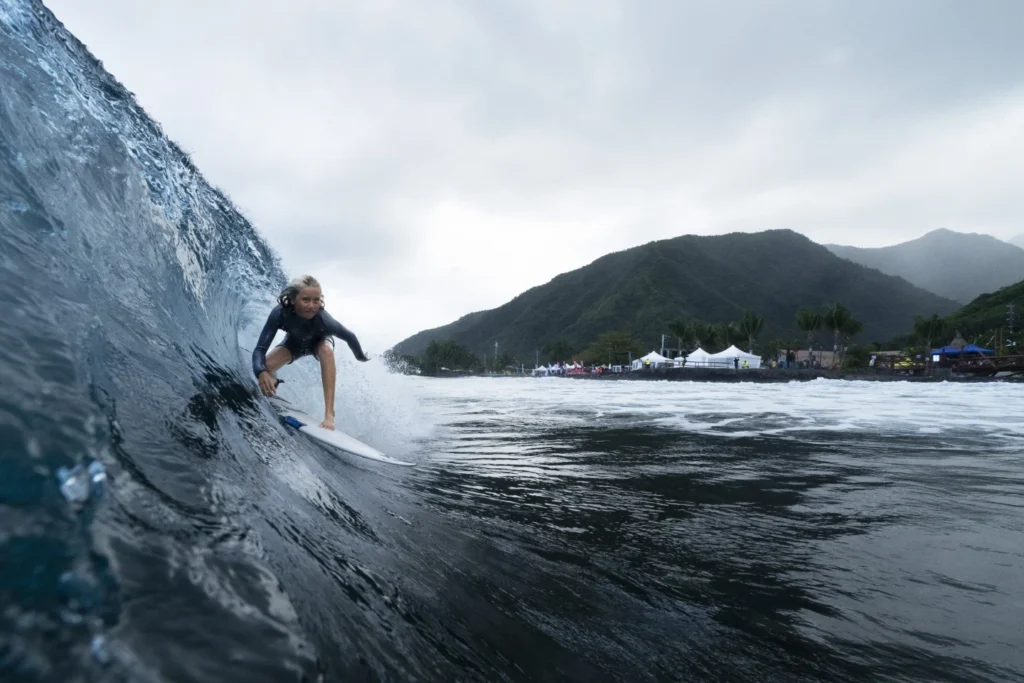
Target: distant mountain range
954, 265
714, 279
1017, 241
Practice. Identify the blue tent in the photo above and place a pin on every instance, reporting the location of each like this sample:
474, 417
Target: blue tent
957, 350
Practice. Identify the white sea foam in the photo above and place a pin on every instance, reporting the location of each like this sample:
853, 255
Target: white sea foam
737, 409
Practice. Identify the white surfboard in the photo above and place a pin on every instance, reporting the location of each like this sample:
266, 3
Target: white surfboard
310, 426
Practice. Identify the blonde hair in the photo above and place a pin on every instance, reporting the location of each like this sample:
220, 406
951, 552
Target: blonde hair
288, 295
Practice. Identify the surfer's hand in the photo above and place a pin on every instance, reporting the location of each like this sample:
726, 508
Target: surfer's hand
328, 422
267, 384
365, 357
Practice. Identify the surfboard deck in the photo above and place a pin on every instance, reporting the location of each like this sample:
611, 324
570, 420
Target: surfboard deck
310, 426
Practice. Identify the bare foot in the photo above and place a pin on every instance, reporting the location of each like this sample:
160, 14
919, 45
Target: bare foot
328, 422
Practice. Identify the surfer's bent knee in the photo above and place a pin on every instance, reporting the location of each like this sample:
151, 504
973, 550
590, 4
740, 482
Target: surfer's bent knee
324, 349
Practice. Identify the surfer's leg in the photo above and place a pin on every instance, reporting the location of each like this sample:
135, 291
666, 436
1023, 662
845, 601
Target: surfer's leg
277, 359
274, 361
325, 354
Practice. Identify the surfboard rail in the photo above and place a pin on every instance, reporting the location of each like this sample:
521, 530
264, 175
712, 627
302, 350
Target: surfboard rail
338, 439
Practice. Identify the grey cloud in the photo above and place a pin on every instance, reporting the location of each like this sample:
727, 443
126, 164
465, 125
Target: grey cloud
346, 125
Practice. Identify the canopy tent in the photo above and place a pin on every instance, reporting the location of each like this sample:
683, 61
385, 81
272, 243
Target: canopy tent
655, 358
636, 365
732, 353
957, 350
698, 359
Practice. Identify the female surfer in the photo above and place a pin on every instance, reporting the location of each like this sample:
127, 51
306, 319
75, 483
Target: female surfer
308, 332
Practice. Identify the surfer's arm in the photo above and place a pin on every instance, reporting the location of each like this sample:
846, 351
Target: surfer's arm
333, 327
259, 353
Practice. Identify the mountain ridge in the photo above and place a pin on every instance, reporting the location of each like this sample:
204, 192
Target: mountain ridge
712, 278
989, 312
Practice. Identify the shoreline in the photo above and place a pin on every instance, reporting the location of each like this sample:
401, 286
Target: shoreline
775, 375
758, 376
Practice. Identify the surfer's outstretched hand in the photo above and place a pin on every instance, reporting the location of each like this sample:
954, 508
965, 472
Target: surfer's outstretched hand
267, 384
365, 357
328, 422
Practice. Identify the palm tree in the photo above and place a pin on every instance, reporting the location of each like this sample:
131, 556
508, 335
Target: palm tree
682, 331
694, 330
928, 329
835, 318
851, 328
727, 332
751, 326
809, 322
705, 334
692, 335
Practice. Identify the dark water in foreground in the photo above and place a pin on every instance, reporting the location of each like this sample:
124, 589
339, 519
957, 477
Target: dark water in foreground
708, 532
552, 531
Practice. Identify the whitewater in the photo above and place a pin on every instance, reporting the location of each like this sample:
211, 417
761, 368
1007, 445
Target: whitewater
157, 523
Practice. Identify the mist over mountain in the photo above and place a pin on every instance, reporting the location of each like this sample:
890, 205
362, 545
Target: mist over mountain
954, 265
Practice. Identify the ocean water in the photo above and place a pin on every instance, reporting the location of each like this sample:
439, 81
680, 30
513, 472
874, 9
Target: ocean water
158, 524
824, 531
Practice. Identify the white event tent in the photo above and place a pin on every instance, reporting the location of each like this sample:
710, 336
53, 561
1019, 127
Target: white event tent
655, 358
732, 352
697, 358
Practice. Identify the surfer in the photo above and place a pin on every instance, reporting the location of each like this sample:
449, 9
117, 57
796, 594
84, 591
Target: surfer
309, 331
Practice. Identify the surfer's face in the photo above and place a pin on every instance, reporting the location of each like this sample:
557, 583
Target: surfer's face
307, 303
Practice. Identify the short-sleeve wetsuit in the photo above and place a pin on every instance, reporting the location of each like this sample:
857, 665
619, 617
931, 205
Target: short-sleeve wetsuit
302, 336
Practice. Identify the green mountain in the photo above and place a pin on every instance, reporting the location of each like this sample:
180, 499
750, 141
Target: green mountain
955, 265
988, 312
715, 279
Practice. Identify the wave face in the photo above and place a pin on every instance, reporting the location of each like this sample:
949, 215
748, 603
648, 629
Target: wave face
124, 277
212, 543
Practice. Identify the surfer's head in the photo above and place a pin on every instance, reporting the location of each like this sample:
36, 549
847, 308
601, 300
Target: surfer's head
303, 295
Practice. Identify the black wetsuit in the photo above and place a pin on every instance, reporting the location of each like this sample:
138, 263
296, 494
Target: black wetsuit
301, 336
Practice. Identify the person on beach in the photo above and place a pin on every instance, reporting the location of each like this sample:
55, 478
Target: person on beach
309, 331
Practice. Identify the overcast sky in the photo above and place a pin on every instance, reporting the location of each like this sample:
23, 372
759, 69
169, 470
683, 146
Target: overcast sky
428, 159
